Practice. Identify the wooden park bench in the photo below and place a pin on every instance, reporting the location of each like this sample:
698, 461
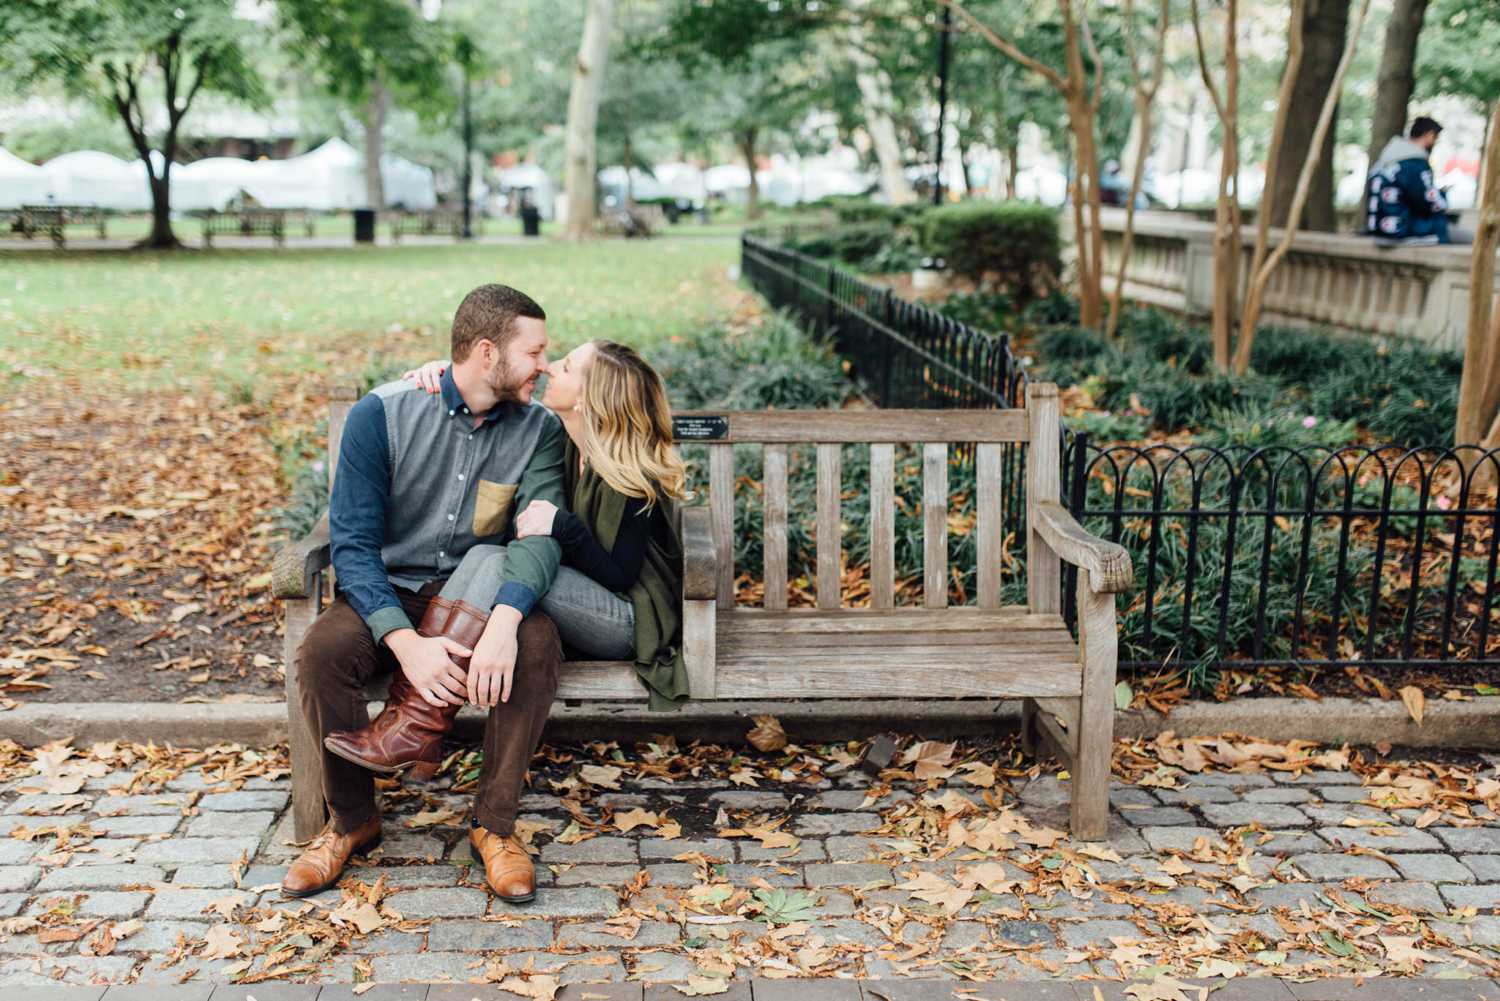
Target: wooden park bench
53, 220
439, 222
247, 222
933, 651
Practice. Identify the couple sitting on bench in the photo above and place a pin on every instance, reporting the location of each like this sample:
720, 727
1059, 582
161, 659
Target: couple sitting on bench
503, 528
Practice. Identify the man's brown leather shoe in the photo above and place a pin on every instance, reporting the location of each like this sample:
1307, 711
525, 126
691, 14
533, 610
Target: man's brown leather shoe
322, 862
408, 733
507, 866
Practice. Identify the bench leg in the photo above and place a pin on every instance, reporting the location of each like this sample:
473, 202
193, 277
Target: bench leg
1029, 734
309, 812
1098, 646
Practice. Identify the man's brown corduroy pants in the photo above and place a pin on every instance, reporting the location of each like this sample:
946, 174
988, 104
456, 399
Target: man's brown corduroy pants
338, 657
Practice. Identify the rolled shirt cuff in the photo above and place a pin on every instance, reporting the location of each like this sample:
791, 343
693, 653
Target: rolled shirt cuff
517, 596
387, 620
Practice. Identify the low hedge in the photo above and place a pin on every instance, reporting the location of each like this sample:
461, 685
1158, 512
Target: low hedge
1013, 246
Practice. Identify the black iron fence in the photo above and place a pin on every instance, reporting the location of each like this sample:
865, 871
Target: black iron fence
1244, 557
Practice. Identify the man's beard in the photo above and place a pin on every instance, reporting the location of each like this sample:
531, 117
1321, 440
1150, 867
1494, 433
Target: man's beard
503, 382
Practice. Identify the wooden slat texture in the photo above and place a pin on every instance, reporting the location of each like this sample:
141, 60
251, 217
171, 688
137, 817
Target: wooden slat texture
308, 810
989, 525
1044, 483
880, 673
928, 651
830, 525
699, 647
859, 621
794, 427
774, 534
1099, 649
882, 526
935, 525
721, 503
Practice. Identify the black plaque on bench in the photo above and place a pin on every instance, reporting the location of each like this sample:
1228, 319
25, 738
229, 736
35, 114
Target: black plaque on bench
705, 428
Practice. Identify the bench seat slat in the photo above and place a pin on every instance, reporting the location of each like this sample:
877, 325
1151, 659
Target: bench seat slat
905, 673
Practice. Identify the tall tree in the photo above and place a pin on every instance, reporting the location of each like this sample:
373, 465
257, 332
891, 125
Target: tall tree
1226, 103
130, 53
1323, 26
1080, 83
583, 118
1479, 388
1265, 261
1145, 87
368, 52
1397, 76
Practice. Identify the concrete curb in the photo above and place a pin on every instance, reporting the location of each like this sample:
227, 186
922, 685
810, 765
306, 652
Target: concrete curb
1474, 724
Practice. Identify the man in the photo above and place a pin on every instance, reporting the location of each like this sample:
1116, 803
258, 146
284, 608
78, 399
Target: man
1403, 205
420, 480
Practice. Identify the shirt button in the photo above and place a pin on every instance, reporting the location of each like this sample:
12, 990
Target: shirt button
441, 554
471, 437
460, 475
466, 409
450, 413
450, 517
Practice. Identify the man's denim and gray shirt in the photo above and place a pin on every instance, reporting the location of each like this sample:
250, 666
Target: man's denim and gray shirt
417, 484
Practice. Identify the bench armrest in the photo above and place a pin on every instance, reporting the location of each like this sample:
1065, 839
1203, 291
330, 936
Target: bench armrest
699, 564
295, 565
1108, 563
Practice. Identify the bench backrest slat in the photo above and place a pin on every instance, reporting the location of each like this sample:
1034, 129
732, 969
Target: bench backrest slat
883, 525
881, 430
721, 510
830, 517
1043, 483
774, 535
989, 521
935, 524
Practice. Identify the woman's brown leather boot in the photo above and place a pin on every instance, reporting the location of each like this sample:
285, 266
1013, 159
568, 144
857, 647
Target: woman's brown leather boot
408, 733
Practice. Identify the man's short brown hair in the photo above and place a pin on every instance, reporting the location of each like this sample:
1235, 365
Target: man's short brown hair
489, 313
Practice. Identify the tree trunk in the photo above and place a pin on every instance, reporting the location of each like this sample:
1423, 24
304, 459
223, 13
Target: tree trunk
1396, 79
583, 118
375, 110
1325, 24
752, 197
1012, 169
1478, 386
162, 237
875, 94
1260, 273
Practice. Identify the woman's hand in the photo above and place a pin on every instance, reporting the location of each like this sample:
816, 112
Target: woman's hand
536, 519
429, 376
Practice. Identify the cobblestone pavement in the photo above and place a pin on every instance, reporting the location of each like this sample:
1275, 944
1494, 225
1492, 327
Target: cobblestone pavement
179, 887
1258, 989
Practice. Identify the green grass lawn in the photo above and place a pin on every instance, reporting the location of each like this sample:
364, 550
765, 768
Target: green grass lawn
240, 316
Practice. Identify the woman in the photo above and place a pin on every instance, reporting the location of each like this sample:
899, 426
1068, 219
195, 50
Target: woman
618, 594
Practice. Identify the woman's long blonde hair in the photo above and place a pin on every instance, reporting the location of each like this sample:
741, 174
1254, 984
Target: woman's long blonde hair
627, 426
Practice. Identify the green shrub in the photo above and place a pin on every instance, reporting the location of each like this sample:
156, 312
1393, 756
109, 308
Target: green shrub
772, 364
1014, 246
855, 209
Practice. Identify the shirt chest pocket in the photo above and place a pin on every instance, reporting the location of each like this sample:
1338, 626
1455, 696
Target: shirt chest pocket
492, 504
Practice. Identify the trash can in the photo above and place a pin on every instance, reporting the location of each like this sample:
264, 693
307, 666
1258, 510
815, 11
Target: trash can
364, 225
531, 220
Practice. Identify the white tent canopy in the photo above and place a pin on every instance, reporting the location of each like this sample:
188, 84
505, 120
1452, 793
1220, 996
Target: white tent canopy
21, 183
325, 179
89, 177
643, 186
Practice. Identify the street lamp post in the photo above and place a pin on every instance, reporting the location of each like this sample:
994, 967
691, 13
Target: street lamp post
468, 181
943, 42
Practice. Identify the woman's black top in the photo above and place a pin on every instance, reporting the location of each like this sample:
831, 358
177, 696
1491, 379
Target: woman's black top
616, 569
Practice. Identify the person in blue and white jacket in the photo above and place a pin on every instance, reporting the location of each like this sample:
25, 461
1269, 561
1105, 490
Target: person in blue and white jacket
1402, 200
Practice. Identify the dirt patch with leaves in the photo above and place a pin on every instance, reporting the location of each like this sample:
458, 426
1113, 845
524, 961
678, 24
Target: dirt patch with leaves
137, 535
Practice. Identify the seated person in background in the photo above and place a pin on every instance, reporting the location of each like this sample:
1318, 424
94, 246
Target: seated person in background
1403, 204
